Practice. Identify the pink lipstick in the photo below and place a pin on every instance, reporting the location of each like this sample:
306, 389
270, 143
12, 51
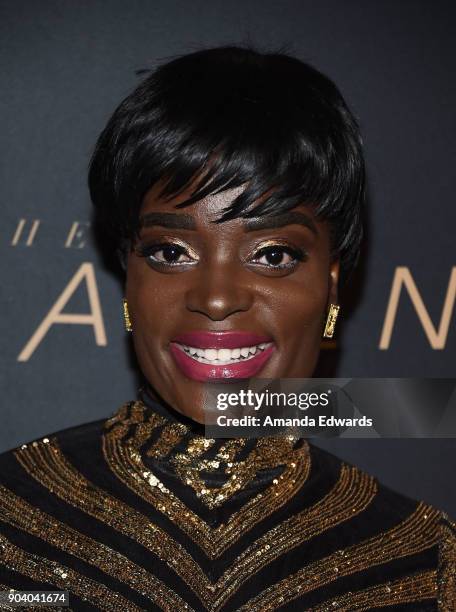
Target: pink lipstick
209, 356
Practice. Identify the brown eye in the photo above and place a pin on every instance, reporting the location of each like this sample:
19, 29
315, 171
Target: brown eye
169, 254
278, 257
165, 254
275, 257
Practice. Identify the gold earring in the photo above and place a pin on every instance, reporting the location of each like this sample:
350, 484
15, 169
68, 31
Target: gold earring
331, 319
128, 326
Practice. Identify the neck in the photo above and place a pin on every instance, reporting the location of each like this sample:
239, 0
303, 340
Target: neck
154, 405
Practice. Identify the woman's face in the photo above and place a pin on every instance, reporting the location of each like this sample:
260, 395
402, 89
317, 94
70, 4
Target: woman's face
226, 301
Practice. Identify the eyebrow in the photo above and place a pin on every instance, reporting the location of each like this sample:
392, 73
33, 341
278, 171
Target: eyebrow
288, 218
168, 220
173, 221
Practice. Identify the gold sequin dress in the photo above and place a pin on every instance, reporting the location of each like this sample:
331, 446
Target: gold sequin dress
140, 512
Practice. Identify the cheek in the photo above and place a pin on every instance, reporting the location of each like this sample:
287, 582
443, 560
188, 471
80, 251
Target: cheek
299, 316
301, 328
301, 302
150, 307
304, 301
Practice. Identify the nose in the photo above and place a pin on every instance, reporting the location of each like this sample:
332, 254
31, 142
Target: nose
218, 293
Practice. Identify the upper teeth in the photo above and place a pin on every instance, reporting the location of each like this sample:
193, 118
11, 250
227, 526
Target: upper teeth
223, 356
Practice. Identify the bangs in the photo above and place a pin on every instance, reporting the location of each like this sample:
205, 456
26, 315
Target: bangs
219, 119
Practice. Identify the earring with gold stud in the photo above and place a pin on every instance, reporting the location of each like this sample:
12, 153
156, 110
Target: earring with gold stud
128, 326
331, 319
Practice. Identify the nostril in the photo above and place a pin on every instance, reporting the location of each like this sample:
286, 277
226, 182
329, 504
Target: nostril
220, 305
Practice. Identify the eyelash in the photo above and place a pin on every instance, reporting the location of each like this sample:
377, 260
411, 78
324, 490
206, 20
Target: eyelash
298, 255
148, 251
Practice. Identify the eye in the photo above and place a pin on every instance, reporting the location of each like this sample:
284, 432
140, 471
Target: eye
278, 257
165, 254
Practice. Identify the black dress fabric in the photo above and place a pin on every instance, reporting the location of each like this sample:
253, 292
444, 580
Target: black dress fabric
140, 511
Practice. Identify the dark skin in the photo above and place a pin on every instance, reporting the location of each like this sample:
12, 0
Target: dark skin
227, 278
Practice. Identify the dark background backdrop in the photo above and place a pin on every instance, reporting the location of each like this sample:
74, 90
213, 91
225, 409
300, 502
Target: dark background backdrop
65, 65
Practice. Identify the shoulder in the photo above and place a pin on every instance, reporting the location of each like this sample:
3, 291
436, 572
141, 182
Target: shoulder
75, 432
382, 511
389, 501
403, 540
77, 441
447, 562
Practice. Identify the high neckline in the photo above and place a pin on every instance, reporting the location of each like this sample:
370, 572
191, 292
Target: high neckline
162, 446
169, 413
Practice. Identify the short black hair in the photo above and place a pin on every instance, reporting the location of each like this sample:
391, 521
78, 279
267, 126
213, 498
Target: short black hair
233, 115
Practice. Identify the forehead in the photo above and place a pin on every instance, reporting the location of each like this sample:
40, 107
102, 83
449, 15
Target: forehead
209, 208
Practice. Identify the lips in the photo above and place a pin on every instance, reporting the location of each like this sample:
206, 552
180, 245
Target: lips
221, 356
227, 339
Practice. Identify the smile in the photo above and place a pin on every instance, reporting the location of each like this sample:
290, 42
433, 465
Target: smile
220, 356
224, 356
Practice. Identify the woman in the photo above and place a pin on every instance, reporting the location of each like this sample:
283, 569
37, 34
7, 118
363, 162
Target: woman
232, 184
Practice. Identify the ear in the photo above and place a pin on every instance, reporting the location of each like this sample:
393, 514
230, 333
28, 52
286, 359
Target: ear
333, 284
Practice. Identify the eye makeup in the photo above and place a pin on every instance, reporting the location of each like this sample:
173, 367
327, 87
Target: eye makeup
168, 253
171, 249
274, 248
